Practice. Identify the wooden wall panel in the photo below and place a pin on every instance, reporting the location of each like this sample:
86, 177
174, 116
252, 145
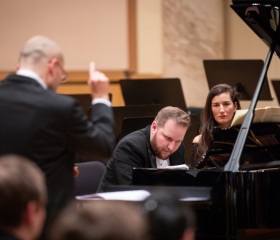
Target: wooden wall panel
77, 83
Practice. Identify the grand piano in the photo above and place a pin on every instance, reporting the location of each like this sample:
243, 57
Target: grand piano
245, 195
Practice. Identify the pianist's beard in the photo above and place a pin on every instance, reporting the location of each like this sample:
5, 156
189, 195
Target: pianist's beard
160, 148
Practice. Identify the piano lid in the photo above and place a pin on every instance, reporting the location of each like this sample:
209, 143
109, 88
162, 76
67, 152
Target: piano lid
262, 16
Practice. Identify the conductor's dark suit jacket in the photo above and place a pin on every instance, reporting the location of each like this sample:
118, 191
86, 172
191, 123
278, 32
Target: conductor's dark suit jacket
134, 150
51, 129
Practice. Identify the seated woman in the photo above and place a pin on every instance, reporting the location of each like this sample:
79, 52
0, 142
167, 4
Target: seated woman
221, 104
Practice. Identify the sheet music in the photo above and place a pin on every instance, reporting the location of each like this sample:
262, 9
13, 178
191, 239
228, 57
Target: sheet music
179, 167
133, 195
267, 114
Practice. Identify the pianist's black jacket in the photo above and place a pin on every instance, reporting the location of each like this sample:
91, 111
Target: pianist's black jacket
134, 150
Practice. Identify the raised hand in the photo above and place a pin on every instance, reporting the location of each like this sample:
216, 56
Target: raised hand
98, 83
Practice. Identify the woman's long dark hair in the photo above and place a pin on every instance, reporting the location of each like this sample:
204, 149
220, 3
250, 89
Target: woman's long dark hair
207, 119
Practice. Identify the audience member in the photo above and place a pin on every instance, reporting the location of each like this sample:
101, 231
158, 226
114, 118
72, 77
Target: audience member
221, 104
155, 146
23, 198
49, 128
168, 218
100, 220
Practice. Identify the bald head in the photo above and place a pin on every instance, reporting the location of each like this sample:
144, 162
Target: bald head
43, 56
38, 48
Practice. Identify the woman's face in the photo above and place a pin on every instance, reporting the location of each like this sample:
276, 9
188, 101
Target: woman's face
223, 109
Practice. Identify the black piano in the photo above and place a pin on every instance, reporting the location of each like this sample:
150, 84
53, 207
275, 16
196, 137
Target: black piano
243, 204
245, 190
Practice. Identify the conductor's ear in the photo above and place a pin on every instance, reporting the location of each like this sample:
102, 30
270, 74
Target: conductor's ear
51, 65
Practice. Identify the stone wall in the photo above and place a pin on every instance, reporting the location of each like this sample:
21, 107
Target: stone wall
192, 31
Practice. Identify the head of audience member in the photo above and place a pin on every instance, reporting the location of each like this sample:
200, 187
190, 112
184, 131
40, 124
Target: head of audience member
44, 57
168, 131
23, 198
168, 218
100, 220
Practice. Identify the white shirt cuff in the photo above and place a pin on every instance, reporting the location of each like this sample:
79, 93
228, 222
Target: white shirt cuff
101, 100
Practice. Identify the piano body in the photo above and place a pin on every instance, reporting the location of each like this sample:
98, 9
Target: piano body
245, 195
243, 204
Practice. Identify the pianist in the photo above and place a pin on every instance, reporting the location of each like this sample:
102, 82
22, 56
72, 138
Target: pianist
155, 146
221, 104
